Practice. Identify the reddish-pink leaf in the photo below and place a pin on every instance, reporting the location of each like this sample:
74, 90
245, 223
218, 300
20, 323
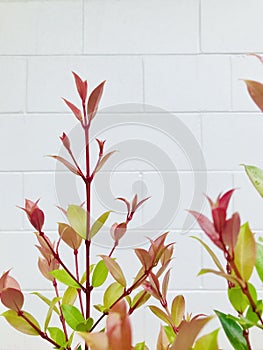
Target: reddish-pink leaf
141, 202
104, 160
162, 341
167, 254
94, 100
231, 231
12, 298
126, 202
144, 257
219, 218
74, 109
69, 236
119, 231
82, 87
67, 164
134, 203
255, 90
114, 270
65, 140
225, 198
7, 281
165, 284
207, 226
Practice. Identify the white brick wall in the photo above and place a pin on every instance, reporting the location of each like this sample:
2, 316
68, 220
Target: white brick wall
174, 106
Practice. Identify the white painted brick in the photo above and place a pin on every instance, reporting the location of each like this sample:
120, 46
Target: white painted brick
231, 140
247, 201
30, 139
231, 26
188, 83
11, 189
52, 76
214, 83
13, 84
244, 67
141, 26
41, 27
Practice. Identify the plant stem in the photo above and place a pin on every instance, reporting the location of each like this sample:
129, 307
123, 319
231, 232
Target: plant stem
246, 336
61, 317
77, 276
38, 330
57, 257
88, 207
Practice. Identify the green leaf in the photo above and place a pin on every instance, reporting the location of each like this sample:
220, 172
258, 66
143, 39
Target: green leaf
245, 252
160, 314
46, 300
233, 331
259, 261
63, 277
115, 270
72, 316
169, 333
251, 316
256, 177
140, 346
57, 335
100, 274
97, 225
85, 326
69, 296
238, 299
84, 276
77, 218
112, 293
207, 341
211, 253
19, 323
140, 298
50, 311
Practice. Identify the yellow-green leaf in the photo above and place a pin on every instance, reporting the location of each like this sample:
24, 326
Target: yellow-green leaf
19, 323
245, 252
100, 274
160, 314
63, 277
77, 218
207, 341
97, 225
178, 309
256, 177
69, 296
112, 293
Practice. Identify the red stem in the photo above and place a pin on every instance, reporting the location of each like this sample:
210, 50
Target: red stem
77, 275
57, 257
88, 207
61, 317
38, 330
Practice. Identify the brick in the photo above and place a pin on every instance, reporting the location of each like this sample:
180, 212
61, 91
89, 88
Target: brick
52, 76
244, 67
135, 27
231, 26
188, 83
231, 140
31, 141
11, 189
13, 84
40, 27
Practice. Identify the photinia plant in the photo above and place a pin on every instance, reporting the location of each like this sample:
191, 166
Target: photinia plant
121, 298
241, 252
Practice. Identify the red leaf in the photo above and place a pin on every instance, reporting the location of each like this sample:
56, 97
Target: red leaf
126, 202
119, 231
141, 202
94, 100
207, 226
225, 198
144, 257
12, 298
82, 87
36, 218
231, 231
219, 218
74, 109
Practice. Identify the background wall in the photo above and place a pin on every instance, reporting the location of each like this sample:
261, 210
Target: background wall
186, 59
